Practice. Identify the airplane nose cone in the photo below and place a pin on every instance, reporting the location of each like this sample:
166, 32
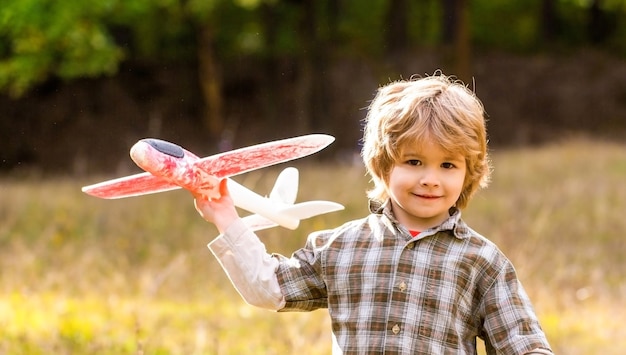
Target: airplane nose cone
150, 153
165, 147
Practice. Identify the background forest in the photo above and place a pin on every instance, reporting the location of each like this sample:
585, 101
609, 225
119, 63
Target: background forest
81, 79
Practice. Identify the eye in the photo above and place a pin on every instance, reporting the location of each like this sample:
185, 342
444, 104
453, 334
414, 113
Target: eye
414, 162
448, 166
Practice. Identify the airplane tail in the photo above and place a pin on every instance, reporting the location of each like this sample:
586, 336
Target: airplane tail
285, 188
284, 195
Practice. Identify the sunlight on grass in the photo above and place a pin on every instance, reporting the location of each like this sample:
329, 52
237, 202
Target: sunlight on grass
87, 276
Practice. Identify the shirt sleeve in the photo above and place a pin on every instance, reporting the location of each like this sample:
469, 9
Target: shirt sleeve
249, 267
510, 322
301, 277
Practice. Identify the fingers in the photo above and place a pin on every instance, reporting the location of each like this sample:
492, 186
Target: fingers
223, 188
206, 205
219, 210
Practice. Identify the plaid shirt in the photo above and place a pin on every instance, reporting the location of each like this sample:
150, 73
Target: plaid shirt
388, 292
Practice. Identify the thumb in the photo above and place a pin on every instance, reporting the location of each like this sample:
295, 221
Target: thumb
223, 188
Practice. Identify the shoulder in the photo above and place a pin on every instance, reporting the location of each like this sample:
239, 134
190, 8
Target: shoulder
480, 256
349, 232
483, 246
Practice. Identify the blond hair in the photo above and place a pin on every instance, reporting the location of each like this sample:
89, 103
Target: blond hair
438, 108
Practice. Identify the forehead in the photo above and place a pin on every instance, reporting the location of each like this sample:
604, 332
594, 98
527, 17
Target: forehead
429, 148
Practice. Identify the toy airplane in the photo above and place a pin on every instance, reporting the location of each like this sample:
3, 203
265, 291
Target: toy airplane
169, 167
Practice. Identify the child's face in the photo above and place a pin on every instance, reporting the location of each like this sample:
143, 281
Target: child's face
424, 184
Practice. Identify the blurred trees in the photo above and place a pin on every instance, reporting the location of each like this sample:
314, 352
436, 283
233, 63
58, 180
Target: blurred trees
42, 40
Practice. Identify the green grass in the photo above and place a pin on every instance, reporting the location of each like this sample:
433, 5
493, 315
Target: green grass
81, 275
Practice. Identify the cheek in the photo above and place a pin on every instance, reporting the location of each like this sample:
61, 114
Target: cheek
467, 181
395, 182
391, 175
459, 183
399, 175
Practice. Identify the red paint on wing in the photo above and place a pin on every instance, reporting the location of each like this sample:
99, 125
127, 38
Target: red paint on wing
258, 156
128, 186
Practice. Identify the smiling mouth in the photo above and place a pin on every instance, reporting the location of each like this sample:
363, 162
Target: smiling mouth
428, 197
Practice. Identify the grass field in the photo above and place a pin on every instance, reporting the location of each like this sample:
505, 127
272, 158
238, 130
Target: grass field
81, 275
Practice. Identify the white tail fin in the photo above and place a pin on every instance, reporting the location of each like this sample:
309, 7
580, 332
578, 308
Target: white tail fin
286, 187
282, 199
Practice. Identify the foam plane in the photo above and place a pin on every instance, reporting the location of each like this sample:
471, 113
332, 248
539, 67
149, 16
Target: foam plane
169, 166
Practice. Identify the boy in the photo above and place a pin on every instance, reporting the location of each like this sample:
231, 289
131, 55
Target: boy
412, 277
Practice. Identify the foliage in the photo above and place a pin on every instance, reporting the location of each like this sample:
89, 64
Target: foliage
74, 39
510, 25
66, 38
88, 276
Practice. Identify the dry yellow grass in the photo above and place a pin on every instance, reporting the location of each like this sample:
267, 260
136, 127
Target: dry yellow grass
87, 276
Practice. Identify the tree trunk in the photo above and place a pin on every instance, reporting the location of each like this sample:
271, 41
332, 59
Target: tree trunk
396, 35
600, 25
549, 22
304, 85
457, 38
270, 74
210, 83
462, 45
312, 100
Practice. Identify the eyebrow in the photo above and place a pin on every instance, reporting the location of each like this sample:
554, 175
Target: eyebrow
459, 157
447, 157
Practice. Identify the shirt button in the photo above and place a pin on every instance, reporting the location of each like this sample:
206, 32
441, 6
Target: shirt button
395, 329
402, 286
410, 246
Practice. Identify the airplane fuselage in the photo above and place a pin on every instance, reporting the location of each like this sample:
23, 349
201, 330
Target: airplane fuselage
176, 165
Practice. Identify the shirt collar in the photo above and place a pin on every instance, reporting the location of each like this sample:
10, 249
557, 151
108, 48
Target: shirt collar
453, 223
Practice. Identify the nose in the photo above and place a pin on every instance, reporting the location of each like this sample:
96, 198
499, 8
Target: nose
429, 178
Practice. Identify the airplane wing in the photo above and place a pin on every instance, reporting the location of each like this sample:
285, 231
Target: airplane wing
128, 186
258, 156
298, 211
218, 166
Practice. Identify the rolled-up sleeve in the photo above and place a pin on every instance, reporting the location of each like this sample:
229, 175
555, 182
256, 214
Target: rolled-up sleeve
249, 267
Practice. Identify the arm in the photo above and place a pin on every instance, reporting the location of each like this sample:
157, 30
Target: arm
509, 318
241, 254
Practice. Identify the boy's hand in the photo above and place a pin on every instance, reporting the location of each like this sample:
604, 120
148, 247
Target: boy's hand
220, 211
